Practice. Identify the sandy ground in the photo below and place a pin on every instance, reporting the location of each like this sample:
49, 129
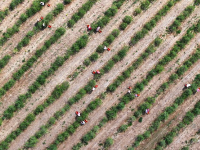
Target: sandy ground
4, 4
171, 122
27, 26
74, 89
195, 146
43, 63
147, 66
14, 15
185, 135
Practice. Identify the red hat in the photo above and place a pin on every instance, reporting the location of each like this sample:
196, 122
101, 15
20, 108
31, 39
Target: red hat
93, 72
48, 5
108, 49
96, 86
41, 18
49, 26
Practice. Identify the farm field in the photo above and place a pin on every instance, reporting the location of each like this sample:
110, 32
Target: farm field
99, 74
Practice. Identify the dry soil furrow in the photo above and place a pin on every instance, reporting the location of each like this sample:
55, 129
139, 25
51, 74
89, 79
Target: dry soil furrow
167, 100
171, 122
4, 4
145, 65
195, 146
148, 91
59, 104
28, 25
189, 131
30, 76
14, 15
30, 107
185, 135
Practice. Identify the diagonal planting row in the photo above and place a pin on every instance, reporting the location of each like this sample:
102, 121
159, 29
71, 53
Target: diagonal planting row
182, 42
162, 88
39, 26
79, 42
72, 101
188, 118
35, 7
11, 7
19, 73
112, 115
31, 117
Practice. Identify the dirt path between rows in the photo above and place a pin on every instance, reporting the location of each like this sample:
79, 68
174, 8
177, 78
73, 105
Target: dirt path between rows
194, 146
171, 122
89, 73
188, 130
30, 76
146, 65
4, 4
25, 27
14, 15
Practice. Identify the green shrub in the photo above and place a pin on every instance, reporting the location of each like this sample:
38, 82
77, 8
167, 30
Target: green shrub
140, 119
145, 4
115, 32
122, 128
108, 142
137, 11
127, 19
123, 26
94, 56
67, 1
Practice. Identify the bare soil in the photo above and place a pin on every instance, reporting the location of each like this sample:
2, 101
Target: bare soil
4, 4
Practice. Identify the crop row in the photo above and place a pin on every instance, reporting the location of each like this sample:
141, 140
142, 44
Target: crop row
11, 7
187, 119
40, 80
31, 117
186, 13
151, 100
4, 61
81, 12
35, 7
34, 139
180, 45
112, 113
79, 44
86, 138
152, 23
25, 41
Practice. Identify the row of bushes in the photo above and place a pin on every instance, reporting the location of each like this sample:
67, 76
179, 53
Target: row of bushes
79, 44
143, 6
25, 41
151, 100
41, 79
169, 110
104, 120
4, 61
57, 115
71, 129
58, 91
152, 23
126, 21
126, 74
11, 7
154, 72
111, 12
81, 12
111, 114
35, 7
187, 119
186, 13
17, 75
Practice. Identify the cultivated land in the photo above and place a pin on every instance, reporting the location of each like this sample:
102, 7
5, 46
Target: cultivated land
24, 112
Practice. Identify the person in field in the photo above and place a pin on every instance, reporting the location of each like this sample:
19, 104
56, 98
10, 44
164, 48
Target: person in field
83, 122
94, 87
147, 111
42, 3
78, 113
187, 85
89, 27
98, 29
105, 48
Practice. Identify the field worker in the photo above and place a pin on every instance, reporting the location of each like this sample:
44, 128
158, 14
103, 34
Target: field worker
94, 87
93, 72
78, 113
89, 27
43, 24
198, 89
98, 72
42, 3
105, 48
137, 95
129, 87
48, 5
41, 18
129, 91
82, 122
98, 30
187, 85
49, 26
